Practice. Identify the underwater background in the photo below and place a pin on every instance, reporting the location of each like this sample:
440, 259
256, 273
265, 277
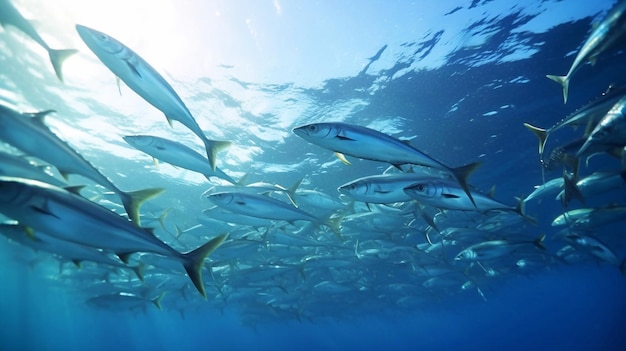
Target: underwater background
456, 78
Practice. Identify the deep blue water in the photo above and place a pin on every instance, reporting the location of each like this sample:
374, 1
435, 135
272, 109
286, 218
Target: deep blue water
458, 80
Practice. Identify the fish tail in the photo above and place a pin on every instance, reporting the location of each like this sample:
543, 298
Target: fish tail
212, 148
57, 57
133, 200
291, 192
194, 260
520, 208
334, 223
539, 242
462, 173
542, 135
139, 269
564, 81
157, 300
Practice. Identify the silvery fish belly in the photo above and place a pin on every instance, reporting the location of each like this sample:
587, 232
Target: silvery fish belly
609, 133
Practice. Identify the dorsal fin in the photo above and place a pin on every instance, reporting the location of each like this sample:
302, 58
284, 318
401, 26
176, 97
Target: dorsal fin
74, 189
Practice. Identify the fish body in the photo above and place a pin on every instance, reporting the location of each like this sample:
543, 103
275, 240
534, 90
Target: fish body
596, 183
9, 15
591, 245
446, 194
587, 116
382, 189
70, 217
262, 206
370, 144
123, 301
610, 32
591, 217
14, 166
66, 249
143, 79
609, 133
495, 249
29, 133
175, 154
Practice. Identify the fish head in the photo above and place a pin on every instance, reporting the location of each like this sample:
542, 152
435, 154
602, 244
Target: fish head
222, 198
316, 131
11, 188
354, 188
98, 41
138, 141
466, 254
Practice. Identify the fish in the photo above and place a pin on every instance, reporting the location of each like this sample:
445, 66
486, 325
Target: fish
609, 133
123, 301
370, 144
175, 154
591, 217
587, 116
608, 33
15, 166
66, 249
144, 80
550, 187
495, 249
381, 189
446, 194
65, 215
262, 206
29, 133
9, 15
592, 245
258, 188
596, 183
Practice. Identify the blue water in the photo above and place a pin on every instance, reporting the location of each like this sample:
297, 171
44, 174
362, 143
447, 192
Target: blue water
458, 79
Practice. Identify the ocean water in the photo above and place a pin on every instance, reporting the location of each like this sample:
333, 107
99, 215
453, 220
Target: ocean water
458, 79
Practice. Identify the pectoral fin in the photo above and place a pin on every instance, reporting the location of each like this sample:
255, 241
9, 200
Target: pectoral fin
342, 158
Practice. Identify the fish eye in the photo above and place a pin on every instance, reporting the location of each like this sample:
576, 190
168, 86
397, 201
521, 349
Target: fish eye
421, 187
312, 127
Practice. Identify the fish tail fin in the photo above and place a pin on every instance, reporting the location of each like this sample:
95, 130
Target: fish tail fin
542, 135
570, 189
334, 223
157, 300
291, 192
193, 261
564, 81
139, 269
212, 148
57, 57
539, 242
462, 173
133, 200
520, 208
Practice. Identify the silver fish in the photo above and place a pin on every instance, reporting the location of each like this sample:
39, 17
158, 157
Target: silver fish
175, 154
446, 194
381, 189
261, 206
370, 144
9, 15
68, 216
147, 82
608, 33
609, 133
29, 133
494, 249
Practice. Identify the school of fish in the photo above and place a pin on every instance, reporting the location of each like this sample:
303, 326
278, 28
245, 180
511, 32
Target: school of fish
288, 252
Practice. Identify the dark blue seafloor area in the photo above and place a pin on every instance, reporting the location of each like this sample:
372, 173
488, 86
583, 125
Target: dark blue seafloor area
576, 306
